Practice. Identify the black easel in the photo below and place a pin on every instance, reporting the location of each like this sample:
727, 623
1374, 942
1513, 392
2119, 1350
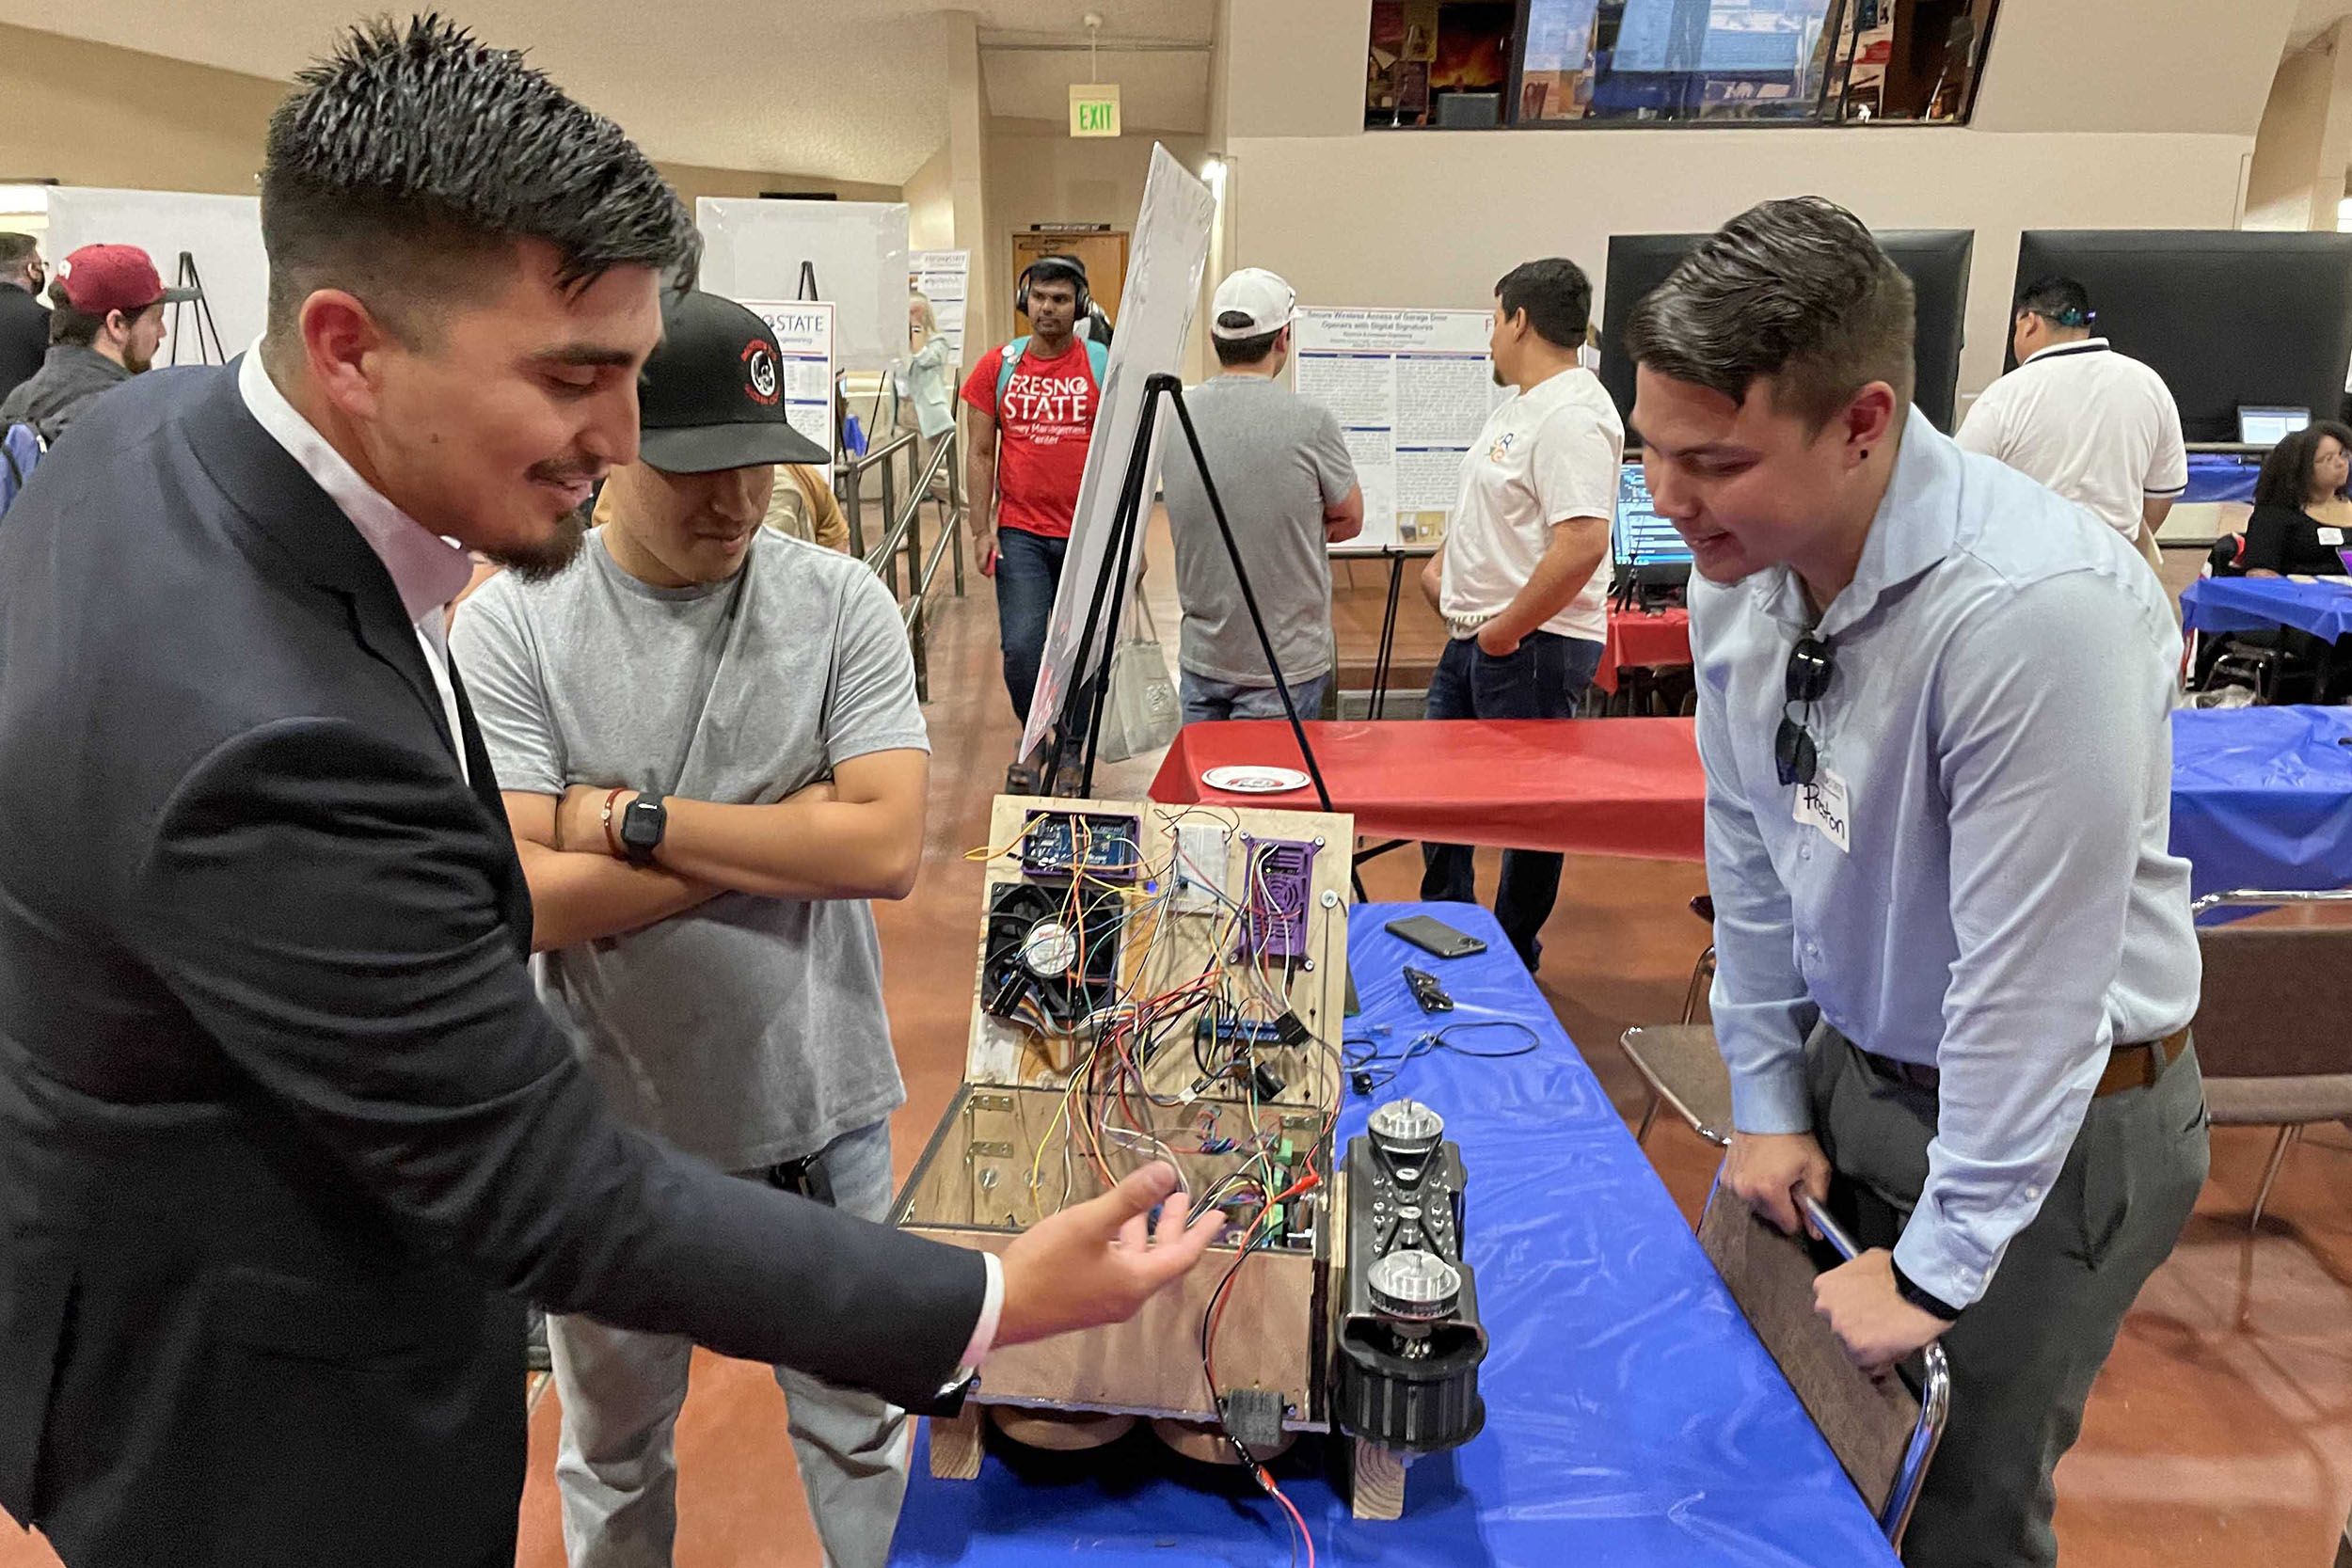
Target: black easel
204, 323
1078, 726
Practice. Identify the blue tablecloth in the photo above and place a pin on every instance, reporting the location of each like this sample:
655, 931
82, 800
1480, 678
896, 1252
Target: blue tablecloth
2323, 607
2214, 476
1631, 1415
2262, 797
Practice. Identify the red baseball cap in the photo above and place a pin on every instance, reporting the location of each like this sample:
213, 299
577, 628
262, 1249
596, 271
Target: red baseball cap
98, 278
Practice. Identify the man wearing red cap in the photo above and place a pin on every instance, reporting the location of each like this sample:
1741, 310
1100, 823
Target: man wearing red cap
107, 324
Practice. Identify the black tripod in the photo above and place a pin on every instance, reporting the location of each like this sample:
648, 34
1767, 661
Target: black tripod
205, 326
1065, 762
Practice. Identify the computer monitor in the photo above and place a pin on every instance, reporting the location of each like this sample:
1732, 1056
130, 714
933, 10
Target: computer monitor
2260, 426
2230, 318
1640, 537
1935, 260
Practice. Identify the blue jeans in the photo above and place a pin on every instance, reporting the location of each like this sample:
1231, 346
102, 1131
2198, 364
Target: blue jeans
1028, 573
1544, 678
1207, 699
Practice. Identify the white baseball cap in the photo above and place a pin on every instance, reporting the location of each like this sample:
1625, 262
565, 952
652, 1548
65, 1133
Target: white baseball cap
1262, 299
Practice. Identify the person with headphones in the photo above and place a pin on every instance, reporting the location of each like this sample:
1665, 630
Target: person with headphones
2098, 427
1031, 405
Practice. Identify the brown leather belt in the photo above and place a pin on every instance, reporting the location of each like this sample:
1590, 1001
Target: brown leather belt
2137, 1066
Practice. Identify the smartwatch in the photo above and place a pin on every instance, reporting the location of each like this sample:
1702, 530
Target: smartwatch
642, 825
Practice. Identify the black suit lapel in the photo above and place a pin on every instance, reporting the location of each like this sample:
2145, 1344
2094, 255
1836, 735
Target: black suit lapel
265, 483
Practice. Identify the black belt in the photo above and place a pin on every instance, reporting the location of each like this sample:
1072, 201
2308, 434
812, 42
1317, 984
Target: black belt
2136, 1065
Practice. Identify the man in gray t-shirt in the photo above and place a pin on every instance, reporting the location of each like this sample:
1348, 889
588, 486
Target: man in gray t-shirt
708, 744
1283, 471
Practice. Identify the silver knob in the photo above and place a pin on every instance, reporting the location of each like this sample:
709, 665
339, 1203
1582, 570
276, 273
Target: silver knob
1405, 1127
1414, 1284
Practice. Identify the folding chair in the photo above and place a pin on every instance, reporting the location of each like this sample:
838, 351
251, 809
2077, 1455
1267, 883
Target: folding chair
1882, 1433
1679, 1063
2266, 1064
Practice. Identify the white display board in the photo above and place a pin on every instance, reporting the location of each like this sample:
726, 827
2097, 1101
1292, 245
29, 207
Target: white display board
1163, 287
1412, 390
755, 249
945, 279
803, 332
223, 233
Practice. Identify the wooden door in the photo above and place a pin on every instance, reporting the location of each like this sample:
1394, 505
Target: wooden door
1103, 256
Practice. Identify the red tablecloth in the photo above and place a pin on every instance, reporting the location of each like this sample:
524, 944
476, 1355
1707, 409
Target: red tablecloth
1638, 639
1592, 787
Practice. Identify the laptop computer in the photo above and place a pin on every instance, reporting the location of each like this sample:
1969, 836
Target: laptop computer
2268, 424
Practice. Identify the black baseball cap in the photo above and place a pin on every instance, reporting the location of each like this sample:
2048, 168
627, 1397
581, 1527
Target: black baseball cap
713, 395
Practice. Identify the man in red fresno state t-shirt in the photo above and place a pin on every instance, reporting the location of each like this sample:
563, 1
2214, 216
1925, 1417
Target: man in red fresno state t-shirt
1023, 497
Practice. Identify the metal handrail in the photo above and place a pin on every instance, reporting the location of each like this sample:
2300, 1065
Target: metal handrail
906, 530
2282, 895
905, 520
857, 465
1935, 1401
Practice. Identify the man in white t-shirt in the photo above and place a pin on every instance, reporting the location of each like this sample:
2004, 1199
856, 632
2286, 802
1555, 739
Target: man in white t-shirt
2098, 427
1523, 578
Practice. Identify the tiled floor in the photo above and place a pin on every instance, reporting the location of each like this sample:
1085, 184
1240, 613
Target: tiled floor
2220, 1437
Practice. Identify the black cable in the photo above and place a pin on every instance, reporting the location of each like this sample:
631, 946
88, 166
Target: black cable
1373, 1070
1208, 1320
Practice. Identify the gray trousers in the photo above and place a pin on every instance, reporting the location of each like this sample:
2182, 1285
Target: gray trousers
617, 1465
2022, 1357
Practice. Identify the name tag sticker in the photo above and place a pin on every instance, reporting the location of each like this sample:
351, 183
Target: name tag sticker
2331, 537
1824, 804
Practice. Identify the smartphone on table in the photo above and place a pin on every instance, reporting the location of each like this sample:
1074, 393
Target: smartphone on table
1436, 936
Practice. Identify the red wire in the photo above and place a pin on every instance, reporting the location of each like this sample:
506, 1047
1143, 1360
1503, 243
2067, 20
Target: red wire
1276, 1493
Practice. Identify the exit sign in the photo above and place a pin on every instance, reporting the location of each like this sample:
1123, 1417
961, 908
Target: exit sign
1094, 108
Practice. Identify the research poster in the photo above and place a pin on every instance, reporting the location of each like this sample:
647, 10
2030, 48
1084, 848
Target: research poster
1412, 390
945, 279
805, 381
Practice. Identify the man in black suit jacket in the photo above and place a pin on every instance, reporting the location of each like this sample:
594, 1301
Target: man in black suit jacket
285, 1140
23, 324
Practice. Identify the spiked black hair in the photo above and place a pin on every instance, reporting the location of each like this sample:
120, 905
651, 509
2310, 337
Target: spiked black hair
411, 157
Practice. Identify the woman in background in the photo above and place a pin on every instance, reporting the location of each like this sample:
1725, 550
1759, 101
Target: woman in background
930, 385
2302, 519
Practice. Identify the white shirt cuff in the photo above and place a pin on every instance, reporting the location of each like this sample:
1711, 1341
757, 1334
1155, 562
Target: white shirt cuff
991, 1308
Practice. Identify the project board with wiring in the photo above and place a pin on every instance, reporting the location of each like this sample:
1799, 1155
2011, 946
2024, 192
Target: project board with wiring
1158, 983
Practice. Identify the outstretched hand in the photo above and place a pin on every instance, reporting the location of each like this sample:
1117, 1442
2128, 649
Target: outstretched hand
1098, 1262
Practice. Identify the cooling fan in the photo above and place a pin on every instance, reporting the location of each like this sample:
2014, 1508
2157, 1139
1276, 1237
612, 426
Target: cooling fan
1064, 969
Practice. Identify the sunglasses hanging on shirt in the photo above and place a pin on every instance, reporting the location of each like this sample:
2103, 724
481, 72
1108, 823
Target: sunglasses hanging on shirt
1811, 662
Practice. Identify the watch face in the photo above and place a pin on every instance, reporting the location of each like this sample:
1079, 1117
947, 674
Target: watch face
641, 825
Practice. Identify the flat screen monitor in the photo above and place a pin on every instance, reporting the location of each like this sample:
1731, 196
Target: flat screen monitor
2230, 318
1640, 537
2267, 427
1935, 260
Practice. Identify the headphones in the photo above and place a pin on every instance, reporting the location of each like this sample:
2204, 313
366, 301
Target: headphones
1050, 269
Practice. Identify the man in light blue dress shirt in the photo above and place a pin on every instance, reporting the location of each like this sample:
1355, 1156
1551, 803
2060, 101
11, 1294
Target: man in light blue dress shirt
1955, 962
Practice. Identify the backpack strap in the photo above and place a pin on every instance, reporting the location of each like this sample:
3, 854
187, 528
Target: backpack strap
1013, 352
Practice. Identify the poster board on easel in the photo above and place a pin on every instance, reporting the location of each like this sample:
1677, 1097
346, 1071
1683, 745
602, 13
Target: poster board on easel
760, 249
1162, 289
223, 233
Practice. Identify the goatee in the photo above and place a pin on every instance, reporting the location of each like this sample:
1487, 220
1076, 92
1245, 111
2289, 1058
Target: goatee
538, 562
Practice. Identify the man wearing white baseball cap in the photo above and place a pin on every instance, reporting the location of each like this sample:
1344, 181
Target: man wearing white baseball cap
1281, 469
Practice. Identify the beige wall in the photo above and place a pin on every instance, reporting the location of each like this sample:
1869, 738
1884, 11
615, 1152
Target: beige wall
2298, 175
89, 114
1432, 220
2132, 65
931, 199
